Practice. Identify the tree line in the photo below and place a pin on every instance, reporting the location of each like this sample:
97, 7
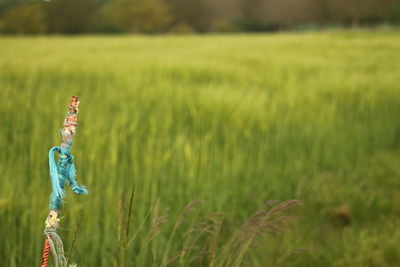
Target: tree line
181, 16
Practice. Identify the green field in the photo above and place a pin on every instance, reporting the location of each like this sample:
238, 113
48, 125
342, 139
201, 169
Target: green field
233, 120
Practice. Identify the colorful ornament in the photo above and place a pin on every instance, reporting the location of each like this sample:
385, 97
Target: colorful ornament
61, 172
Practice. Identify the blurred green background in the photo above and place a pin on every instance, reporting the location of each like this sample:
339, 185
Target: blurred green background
234, 119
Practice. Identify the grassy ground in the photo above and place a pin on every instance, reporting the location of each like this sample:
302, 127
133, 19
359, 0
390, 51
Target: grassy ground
232, 120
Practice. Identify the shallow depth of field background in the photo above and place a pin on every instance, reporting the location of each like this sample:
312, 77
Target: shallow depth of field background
233, 120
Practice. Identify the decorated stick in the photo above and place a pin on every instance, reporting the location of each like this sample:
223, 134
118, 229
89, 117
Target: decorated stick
59, 174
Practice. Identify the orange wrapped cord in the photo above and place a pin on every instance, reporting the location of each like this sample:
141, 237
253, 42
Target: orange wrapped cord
46, 253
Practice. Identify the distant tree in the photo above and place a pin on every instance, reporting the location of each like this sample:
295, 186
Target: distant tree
394, 12
224, 11
355, 12
194, 13
253, 17
358, 12
71, 16
27, 18
7, 4
289, 13
322, 11
252, 9
142, 16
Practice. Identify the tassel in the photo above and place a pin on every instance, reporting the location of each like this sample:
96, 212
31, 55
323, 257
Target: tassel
71, 174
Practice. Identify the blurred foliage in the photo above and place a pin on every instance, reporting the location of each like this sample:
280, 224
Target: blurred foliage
70, 16
147, 16
194, 13
159, 16
28, 18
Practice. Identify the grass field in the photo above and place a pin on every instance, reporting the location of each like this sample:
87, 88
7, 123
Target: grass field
233, 120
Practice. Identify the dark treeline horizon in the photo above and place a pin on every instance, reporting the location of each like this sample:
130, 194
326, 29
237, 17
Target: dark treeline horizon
185, 16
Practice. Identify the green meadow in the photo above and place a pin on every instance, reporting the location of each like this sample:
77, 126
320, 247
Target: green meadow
232, 120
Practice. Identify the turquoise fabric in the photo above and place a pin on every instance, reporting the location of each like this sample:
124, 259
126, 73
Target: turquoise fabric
64, 170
